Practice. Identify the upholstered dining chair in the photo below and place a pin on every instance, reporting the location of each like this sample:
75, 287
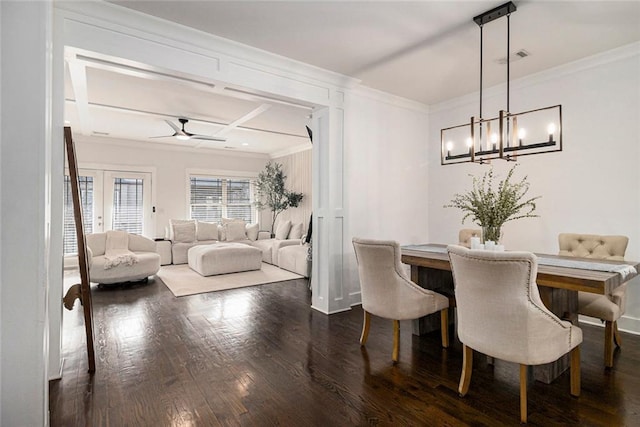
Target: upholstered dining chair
465, 235
501, 315
608, 308
387, 292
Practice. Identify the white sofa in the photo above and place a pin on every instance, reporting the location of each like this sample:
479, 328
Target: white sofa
295, 258
185, 234
148, 260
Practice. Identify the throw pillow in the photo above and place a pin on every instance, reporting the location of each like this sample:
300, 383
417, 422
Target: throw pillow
228, 220
252, 231
185, 232
235, 230
173, 222
206, 230
296, 231
282, 231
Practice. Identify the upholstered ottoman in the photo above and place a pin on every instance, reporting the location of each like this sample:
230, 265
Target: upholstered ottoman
223, 258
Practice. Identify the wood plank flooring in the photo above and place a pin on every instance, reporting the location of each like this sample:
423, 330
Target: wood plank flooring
260, 356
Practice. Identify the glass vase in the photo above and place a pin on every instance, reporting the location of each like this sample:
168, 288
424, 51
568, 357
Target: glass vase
491, 233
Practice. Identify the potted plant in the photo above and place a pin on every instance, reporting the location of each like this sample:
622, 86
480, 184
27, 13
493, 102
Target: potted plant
491, 207
272, 194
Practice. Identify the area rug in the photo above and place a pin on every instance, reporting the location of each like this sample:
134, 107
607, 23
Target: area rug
182, 280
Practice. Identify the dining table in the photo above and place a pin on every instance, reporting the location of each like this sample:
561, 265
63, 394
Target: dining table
559, 280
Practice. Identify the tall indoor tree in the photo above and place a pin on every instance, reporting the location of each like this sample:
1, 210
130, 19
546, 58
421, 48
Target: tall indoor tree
272, 194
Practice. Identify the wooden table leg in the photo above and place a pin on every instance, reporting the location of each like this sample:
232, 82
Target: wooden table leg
438, 281
564, 304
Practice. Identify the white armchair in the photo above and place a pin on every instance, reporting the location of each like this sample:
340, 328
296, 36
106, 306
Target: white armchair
387, 291
147, 260
500, 314
608, 308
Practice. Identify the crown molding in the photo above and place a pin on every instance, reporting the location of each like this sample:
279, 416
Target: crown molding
129, 21
613, 55
388, 98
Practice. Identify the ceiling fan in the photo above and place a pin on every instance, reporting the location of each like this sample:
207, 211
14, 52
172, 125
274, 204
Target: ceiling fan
183, 135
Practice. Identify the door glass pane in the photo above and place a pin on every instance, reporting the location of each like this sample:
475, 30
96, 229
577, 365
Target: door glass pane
70, 243
127, 205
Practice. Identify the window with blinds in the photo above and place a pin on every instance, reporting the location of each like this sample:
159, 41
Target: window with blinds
70, 242
127, 205
214, 198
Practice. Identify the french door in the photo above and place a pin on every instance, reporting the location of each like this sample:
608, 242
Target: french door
111, 200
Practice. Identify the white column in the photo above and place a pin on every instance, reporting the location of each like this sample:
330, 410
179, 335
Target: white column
328, 288
25, 140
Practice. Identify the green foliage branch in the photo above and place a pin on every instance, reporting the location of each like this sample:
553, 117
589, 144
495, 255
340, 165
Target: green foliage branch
272, 194
490, 207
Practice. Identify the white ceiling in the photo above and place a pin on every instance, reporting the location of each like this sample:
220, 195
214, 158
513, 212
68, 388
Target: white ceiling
427, 51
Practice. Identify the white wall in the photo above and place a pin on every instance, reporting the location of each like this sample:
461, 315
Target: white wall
297, 168
589, 187
171, 165
386, 162
25, 144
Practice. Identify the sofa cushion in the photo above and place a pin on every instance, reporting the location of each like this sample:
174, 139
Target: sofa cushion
296, 231
206, 230
185, 232
97, 243
252, 231
235, 230
282, 231
172, 222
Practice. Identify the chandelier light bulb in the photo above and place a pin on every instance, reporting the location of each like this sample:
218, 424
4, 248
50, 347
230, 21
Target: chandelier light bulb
494, 138
469, 142
449, 146
522, 132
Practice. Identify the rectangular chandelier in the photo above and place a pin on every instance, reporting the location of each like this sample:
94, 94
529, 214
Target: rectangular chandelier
508, 135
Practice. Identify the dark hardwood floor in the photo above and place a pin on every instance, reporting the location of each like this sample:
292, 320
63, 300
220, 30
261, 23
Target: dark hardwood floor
260, 356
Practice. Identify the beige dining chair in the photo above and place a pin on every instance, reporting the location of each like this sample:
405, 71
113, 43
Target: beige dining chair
465, 235
387, 292
608, 308
501, 315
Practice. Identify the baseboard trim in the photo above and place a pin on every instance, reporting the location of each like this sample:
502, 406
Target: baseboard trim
59, 375
630, 325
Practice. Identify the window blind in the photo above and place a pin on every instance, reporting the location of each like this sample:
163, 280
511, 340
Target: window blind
70, 242
213, 198
127, 205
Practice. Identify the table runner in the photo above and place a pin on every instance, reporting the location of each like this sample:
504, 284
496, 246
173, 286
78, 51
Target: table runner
623, 270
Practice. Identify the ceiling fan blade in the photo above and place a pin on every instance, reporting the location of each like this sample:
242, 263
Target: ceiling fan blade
208, 138
163, 136
175, 128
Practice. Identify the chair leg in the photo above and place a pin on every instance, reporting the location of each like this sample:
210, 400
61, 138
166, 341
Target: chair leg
444, 327
467, 366
575, 371
396, 340
608, 344
523, 393
365, 328
616, 335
